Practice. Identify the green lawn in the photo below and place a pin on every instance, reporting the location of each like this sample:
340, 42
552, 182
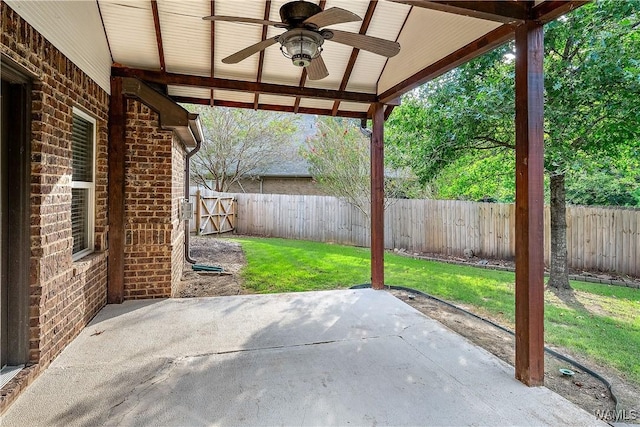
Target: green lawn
603, 322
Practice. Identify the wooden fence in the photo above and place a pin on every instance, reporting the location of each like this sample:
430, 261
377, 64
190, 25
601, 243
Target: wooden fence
598, 238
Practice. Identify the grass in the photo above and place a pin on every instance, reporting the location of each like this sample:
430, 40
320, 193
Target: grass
603, 322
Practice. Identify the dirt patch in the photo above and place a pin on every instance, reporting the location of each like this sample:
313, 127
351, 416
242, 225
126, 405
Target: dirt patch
213, 251
581, 389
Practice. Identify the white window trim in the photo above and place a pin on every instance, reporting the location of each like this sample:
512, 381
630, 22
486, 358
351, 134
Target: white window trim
91, 186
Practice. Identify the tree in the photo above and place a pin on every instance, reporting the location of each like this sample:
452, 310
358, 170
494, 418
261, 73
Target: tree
239, 143
339, 161
592, 83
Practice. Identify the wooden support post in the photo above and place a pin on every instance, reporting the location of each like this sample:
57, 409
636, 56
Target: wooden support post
529, 204
116, 164
377, 197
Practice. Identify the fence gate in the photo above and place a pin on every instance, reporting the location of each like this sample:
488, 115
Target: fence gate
215, 214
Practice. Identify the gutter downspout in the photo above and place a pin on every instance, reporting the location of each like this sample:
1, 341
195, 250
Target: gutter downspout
197, 132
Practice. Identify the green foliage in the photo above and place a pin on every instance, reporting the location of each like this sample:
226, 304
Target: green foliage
592, 84
603, 325
339, 159
466, 178
239, 143
606, 181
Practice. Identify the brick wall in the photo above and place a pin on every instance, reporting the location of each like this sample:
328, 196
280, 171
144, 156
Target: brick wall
153, 188
64, 295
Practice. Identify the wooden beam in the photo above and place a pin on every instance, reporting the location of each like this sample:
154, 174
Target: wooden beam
377, 197
388, 111
267, 12
355, 51
156, 24
241, 86
303, 80
499, 11
472, 50
116, 165
529, 204
271, 107
551, 10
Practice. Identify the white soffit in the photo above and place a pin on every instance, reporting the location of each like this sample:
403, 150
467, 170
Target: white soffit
82, 41
132, 36
427, 37
287, 101
186, 38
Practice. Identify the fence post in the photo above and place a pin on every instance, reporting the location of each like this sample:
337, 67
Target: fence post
198, 203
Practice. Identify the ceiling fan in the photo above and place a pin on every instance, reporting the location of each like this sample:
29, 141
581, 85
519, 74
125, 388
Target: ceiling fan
305, 35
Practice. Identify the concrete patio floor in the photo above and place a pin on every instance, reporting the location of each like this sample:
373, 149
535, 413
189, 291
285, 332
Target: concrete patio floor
352, 357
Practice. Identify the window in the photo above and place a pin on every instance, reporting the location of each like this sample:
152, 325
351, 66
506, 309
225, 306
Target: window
82, 183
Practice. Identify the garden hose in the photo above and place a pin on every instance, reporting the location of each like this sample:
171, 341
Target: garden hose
550, 351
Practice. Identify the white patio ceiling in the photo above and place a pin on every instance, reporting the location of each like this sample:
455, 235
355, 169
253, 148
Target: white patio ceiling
168, 37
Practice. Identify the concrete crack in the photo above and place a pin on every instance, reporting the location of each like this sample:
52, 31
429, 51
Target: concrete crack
279, 347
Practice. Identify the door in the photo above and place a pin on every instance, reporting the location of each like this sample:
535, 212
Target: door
4, 316
14, 217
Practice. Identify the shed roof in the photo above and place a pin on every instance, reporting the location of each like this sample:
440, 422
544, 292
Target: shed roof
168, 42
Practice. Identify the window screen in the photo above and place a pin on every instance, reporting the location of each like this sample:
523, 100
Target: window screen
82, 143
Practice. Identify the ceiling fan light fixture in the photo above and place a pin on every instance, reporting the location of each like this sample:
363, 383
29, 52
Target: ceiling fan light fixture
301, 46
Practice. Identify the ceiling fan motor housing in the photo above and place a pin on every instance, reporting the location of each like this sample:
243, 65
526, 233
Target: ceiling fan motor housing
295, 12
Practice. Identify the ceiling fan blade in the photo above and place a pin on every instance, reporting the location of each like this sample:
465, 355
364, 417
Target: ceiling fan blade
317, 69
332, 16
248, 51
241, 19
372, 44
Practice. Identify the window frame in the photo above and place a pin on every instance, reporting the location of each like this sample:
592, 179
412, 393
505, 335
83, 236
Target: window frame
90, 186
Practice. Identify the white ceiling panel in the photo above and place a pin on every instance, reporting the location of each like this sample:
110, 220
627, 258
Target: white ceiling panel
227, 42
366, 71
186, 37
354, 106
316, 103
188, 91
132, 36
235, 96
385, 24
336, 57
287, 101
231, 37
427, 37
359, 7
